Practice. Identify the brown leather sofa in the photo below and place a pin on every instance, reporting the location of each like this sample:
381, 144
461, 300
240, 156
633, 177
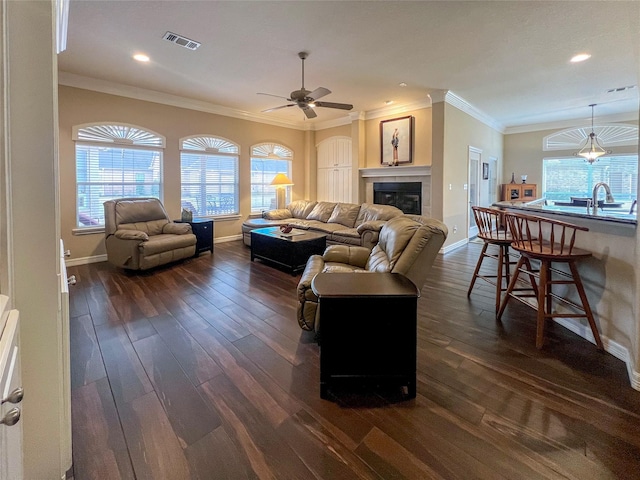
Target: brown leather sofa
343, 223
408, 245
139, 234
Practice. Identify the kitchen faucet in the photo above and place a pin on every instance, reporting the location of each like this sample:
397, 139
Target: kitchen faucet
594, 199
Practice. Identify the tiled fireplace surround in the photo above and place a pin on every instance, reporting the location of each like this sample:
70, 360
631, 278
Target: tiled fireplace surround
401, 173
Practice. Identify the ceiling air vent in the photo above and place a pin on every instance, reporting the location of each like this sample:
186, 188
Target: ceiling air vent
621, 89
182, 41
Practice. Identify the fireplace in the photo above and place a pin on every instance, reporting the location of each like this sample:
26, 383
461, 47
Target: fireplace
407, 196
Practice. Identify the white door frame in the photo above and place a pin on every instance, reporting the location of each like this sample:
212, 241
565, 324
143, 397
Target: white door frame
474, 168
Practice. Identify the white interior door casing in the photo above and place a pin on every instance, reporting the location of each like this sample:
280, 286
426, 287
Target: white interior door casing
474, 189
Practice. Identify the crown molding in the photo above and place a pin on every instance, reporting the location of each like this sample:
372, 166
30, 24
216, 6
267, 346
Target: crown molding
397, 109
336, 122
137, 93
560, 124
461, 104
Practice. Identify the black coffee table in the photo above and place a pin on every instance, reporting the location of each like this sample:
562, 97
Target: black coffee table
290, 251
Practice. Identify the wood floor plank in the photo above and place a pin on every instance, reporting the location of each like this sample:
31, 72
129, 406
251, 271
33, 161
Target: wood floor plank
188, 413
99, 448
155, 450
127, 377
194, 361
85, 356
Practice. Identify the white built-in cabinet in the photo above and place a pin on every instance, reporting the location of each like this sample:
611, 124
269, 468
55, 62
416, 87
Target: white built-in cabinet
335, 171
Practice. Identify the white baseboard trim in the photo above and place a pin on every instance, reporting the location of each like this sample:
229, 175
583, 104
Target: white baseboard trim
230, 238
610, 346
103, 258
73, 262
453, 246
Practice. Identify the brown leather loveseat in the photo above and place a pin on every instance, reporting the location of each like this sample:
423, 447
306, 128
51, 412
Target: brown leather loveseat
407, 245
139, 234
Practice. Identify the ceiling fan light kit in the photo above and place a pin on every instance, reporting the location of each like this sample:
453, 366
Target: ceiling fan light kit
305, 99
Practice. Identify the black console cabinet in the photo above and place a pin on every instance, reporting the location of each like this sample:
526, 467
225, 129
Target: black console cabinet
367, 329
203, 230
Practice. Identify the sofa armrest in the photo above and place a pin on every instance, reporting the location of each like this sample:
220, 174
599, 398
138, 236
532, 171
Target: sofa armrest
351, 255
375, 225
277, 214
131, 235
177, 228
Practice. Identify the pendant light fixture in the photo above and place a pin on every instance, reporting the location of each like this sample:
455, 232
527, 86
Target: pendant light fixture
592, 149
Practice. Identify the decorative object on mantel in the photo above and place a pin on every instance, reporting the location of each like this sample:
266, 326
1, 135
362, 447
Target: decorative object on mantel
592, 149
396, 141
524, 178
513, 177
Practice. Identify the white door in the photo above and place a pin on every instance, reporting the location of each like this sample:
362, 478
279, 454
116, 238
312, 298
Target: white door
492, 193
473, 190
11, 408
334, 170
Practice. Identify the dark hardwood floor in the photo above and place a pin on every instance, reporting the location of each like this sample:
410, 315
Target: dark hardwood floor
199, 370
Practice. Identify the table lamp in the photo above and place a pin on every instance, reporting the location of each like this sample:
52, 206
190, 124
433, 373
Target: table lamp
281, 182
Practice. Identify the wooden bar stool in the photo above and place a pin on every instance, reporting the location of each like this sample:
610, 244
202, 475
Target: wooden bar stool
547, 241
492, 229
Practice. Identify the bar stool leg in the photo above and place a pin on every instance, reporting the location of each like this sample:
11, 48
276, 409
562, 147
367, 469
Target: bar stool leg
512, 284
499, 277
478, 265
543, 295
585, 304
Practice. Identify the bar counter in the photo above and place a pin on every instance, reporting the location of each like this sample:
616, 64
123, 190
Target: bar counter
609, 215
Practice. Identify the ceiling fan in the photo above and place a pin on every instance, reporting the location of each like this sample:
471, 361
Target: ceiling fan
306, 99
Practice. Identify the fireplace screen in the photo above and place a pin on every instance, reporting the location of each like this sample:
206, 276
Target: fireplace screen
407, 196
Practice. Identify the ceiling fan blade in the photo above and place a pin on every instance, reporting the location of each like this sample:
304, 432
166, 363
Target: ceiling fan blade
319, 93
308, 111
278, 108
272, 95
341, 106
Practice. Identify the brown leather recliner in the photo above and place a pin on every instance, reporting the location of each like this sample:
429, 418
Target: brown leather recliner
139, 234
408, 245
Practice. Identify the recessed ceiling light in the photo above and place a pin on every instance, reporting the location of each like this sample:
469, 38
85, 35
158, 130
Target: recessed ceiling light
388, 102
581, 57
402, 84
141, 57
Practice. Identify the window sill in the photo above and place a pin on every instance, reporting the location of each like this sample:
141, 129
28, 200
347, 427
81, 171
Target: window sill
223, 218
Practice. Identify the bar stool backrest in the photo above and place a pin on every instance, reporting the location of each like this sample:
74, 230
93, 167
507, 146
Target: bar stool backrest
542, 235
491, 223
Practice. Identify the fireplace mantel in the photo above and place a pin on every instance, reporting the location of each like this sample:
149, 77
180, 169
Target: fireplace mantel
399, 171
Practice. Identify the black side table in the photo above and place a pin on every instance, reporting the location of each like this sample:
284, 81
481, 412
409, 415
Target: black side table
367, 329
203, 230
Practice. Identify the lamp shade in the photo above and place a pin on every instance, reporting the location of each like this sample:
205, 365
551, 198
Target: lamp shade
281, 180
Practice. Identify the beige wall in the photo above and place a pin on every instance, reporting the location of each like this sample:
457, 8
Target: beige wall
461, 131
341, 131
77, 106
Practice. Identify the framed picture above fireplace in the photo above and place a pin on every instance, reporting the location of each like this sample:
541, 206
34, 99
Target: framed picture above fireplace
396, 141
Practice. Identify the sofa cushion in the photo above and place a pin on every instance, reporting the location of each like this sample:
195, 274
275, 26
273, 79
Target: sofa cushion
278, 214
370, 211
151, 227
177, 228
322, 211
345, 214
166, 242
321, 227
301, 208
139, 210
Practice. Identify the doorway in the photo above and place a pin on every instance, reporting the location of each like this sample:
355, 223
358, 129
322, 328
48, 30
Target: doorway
474, 190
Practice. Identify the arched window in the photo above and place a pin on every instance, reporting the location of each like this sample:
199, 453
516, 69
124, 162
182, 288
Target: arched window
114, 161
267, 160
209, 176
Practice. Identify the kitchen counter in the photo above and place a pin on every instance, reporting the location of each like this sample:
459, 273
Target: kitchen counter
610, 215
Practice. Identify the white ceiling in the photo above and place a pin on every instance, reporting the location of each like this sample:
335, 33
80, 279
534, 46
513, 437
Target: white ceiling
509, 60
